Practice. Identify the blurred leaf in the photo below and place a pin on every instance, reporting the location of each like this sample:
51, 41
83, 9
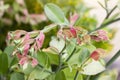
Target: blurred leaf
55, 14
60, 76
53, 57
34, 6
88, 23
109, 75
104, 45
17, 76
3, 63
38, 74
71, 74
43, 59
11, 59
79, 56
70, 46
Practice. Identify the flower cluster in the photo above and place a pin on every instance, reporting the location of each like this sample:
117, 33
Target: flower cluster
26, 43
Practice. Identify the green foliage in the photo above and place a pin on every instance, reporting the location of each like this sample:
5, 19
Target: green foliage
3, 63
16, 76
58, 16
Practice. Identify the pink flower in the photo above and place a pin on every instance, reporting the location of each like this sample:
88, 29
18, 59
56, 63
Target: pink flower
34, 62
73, 31
26, 49
23, 61
95, 55
101, 35
73, 18
40, 40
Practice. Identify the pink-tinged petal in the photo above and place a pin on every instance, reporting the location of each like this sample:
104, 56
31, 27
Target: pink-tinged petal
78, 41
40, 40
19, 56
26, 49
95, 55
74, 18
73, 31
23, 61
34, 62
102, 32
27, 36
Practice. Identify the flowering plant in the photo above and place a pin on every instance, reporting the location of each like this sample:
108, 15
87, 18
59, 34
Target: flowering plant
69, 55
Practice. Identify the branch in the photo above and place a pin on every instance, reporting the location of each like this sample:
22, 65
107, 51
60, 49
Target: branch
76, 75
113, 59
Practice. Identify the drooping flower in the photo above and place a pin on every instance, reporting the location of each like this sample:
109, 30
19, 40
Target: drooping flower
100, 35
95, 55
73, 19
73, 31
98, 53
23, 61
34, 62
26, 49
26, 60
40, 40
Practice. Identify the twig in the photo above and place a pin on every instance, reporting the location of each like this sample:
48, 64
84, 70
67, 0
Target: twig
113, 59
70, 55
76, 75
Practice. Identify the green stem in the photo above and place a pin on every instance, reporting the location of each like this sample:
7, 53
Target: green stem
110, 12
76, 75
105, 24
113, 59
88, 78
60, 60
70, 55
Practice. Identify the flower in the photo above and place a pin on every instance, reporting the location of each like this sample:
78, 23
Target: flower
39, 41
73, 18
100, 35
25, 60
73, 31
96, 54
34, 62
26, 49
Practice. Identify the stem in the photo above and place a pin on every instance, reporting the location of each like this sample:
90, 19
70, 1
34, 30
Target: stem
70, 55
110, 12
105, 24
88, 78
76, 75
113, 59
60, 60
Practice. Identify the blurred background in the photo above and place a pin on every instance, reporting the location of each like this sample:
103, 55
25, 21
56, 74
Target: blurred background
29, 15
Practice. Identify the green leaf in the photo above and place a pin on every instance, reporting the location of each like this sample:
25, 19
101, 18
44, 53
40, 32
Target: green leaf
55, 14
60, 76
71, 74
11, 60
17, 76
54, 58
27, 68
43, 59
38, 74
3, 63
70, 46
79, 56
